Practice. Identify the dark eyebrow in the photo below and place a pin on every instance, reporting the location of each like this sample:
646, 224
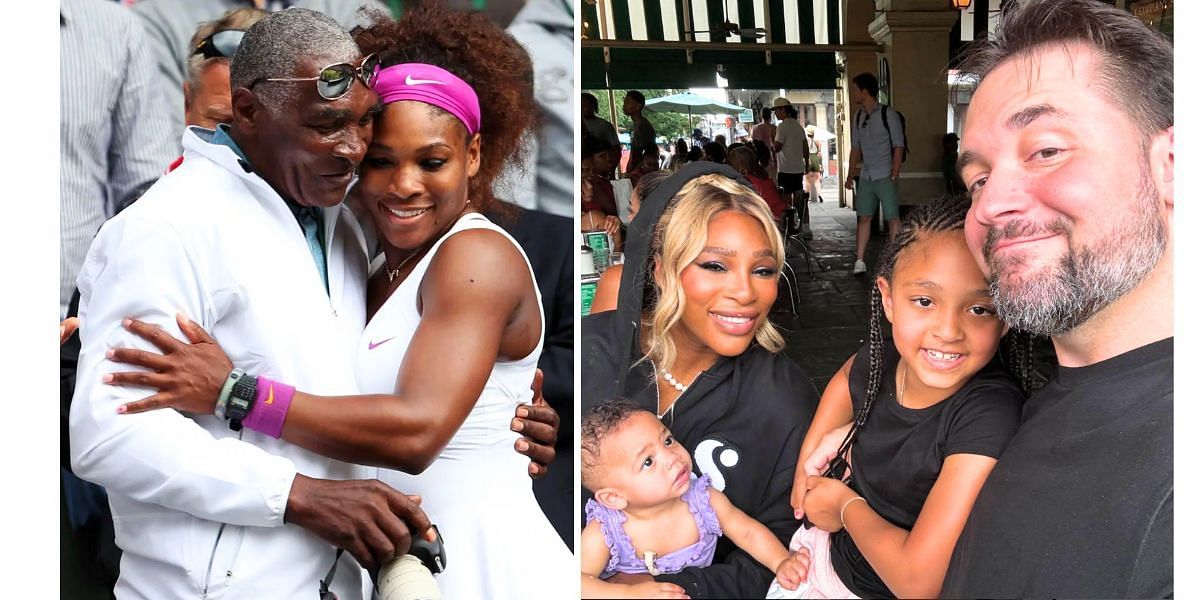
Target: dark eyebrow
1029, 114
435, 146
925, 284
332, 113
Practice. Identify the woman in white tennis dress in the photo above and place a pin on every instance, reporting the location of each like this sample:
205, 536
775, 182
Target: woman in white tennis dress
455, 322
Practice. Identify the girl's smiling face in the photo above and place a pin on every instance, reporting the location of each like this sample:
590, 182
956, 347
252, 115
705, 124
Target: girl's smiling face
944, 323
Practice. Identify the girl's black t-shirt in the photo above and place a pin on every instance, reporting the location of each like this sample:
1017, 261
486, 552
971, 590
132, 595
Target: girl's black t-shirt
899, 451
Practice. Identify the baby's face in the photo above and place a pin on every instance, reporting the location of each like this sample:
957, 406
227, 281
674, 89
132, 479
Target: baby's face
645, 463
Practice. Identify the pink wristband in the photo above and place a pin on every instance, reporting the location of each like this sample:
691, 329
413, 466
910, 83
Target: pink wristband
271, 403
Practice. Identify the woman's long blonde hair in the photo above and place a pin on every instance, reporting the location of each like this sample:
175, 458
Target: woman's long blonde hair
679, 236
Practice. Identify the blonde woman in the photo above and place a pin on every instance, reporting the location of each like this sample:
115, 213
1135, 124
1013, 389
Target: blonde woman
691, 341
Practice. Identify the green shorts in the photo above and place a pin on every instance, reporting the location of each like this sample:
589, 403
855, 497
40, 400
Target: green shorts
869, 194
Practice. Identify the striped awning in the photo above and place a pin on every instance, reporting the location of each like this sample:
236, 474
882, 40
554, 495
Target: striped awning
680, 43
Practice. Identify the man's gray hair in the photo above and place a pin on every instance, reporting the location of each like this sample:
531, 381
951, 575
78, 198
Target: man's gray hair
275, 45
235, 19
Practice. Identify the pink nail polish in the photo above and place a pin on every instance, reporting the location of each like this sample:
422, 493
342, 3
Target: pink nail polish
121, 409
107, 378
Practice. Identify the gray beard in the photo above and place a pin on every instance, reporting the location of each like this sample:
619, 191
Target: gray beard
1064, 296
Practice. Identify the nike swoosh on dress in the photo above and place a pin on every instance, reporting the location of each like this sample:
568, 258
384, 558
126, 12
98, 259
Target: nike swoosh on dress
374, 345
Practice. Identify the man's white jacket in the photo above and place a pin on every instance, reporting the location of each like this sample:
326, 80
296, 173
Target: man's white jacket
198, 509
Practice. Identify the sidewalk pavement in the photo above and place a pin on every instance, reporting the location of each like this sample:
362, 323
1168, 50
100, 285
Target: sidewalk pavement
833, 305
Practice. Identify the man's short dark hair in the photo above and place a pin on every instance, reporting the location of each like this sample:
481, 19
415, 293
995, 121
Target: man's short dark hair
766, 114
636, 95
1126, 46
868, 83
585, 98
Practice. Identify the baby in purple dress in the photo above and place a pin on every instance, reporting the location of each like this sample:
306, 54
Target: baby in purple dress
650, 515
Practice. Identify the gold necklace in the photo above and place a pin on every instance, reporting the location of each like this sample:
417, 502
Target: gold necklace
392, 274
903, 379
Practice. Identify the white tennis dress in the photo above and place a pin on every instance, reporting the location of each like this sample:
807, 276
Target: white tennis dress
478, 491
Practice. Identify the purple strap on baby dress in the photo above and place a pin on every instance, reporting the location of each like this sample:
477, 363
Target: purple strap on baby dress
624, 559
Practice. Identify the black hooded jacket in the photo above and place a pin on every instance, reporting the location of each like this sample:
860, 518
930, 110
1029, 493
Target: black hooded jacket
743, 419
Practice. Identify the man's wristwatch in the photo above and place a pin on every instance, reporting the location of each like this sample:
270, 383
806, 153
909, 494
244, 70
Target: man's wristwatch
241, 399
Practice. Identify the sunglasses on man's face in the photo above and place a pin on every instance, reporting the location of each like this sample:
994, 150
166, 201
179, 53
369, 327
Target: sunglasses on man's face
335, 81
222, 44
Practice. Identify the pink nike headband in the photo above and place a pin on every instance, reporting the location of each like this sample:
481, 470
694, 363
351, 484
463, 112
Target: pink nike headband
432, 85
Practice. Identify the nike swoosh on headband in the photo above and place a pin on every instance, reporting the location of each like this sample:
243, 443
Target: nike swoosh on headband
408, 80
374, 345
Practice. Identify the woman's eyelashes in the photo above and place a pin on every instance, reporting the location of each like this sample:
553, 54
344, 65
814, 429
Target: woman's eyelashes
720, 267
384, 162
377, 162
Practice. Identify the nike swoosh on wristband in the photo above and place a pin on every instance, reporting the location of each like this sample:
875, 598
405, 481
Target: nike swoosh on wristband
374, 345
408, 80
271, 394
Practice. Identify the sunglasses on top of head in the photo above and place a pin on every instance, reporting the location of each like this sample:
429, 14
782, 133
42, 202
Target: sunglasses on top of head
335, 81
221, 44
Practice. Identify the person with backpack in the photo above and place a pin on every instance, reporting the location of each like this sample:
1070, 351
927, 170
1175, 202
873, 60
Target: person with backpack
878, 143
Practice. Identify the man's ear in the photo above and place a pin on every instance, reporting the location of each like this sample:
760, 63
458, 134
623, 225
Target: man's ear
246, 110
187, 96
885, 290
1162, 165
611, 498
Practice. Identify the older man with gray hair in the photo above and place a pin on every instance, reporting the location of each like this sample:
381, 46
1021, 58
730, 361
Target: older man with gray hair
169, 25
249, 237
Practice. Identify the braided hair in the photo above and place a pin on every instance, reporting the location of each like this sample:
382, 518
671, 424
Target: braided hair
946, 214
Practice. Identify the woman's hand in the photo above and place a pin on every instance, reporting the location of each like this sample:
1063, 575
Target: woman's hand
612, 225
538, 424
188, 376
824, 501
816, 463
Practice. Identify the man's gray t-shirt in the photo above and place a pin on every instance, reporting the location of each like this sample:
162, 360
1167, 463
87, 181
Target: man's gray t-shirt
871, 137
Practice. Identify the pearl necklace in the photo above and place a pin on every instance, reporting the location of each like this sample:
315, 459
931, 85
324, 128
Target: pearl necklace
675, 383
394, 273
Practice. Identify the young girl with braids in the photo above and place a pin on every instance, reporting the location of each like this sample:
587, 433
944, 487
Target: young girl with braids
915, 423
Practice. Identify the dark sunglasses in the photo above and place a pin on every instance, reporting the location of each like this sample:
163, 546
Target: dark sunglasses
222, 44
335, 81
